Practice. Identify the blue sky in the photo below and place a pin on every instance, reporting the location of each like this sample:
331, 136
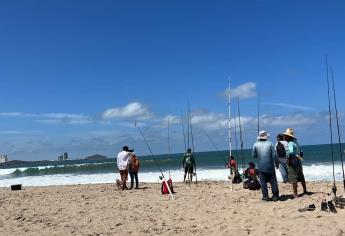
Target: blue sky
75, 75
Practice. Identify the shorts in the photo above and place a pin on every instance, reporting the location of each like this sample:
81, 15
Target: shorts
295, 174
188, 169
124, 175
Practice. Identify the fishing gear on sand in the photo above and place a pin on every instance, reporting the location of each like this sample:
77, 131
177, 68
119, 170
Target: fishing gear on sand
339, 201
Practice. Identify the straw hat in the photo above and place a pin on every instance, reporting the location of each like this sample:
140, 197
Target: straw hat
289, 132
263, 135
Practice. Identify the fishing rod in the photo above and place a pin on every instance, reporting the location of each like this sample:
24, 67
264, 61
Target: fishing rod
169, 136
184, 134
154, 159
191, 132
188, 127
229, 134
259, 112
192, 139
235, 130
211, 141
241, 138
337, 118
334, 188
229, 120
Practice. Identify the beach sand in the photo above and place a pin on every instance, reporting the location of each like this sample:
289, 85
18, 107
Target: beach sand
209, 208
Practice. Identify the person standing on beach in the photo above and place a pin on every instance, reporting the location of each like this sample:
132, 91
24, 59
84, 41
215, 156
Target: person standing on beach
295, 156
188, 164
281, 150
122, 161
133, 168
264, 152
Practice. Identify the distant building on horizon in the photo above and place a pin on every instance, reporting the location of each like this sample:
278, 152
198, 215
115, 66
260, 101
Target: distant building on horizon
60, 158
63, 157
3, 158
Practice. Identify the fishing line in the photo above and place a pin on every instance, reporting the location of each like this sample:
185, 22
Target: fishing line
258, 112
155, 160
149, 148
339, 139
241, 138
211, 141
184, 134
235, 129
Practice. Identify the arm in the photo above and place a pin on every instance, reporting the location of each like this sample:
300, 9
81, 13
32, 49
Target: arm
183, 161
274, 157
298, 148
194, 163
254, 152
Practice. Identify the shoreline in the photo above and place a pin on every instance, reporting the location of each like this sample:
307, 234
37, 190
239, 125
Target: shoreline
209, 208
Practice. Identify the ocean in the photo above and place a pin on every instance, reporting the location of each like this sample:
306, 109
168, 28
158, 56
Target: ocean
317, 165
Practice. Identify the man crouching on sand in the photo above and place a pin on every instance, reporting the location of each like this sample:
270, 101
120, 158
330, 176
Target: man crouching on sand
122, 161
264, 151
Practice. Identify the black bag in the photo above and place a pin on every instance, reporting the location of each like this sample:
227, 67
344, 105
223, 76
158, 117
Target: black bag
280, 149
237, 178
251, 184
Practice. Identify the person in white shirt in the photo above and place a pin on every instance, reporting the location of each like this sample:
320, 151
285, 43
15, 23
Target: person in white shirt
122, 161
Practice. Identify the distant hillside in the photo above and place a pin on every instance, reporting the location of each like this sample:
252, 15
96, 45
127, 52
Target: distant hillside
96, 157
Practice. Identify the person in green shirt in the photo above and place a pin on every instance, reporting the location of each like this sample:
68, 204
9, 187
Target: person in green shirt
188, 164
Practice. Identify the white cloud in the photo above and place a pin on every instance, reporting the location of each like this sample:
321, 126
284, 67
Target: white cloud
291, 120
134, 110
289, 106
173, 120
53, 118
11, 114
243, 91
210, 121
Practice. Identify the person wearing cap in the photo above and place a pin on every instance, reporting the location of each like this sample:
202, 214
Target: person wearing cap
263, 150
295, 155
122, 161
188, 164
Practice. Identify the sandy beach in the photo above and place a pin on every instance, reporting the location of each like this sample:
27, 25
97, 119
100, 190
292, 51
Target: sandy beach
209, 208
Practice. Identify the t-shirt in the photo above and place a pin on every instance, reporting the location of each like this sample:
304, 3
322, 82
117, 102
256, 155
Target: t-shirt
188, 160
293, 150
122, 160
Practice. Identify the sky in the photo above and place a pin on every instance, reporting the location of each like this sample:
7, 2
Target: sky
77, 75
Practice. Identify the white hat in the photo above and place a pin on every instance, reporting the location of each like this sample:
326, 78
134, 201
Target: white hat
263, 135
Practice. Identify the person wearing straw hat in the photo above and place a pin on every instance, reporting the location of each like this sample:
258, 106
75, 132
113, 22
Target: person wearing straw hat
263, 150
295, 156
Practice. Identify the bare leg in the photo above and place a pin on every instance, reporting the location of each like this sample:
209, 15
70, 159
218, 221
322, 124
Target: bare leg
304, 186
294, 186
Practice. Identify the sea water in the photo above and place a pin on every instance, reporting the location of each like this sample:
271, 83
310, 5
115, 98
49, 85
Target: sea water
317, 166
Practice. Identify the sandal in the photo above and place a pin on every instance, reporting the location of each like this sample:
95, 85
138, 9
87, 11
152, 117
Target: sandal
311, 207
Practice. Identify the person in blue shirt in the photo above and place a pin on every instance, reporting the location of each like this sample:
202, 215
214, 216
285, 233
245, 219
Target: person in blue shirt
263, 150
295, 155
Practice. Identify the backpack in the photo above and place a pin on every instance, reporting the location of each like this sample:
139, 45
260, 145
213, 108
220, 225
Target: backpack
164, 188
280, 149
